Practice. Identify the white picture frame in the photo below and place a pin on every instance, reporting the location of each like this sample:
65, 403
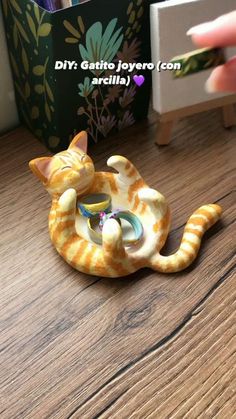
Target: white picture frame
170, 21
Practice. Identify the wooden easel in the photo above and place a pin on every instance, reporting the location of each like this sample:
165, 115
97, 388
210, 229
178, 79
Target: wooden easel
167, 120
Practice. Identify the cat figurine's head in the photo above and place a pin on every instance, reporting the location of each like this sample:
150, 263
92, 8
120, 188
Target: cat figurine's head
71, 168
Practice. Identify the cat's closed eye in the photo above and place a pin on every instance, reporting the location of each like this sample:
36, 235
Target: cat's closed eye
65, 167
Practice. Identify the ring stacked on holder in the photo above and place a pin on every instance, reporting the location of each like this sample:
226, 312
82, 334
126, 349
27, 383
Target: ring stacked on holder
93, 204
132, 219
97, 209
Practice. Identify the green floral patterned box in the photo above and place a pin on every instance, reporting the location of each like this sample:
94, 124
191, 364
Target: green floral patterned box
55, 104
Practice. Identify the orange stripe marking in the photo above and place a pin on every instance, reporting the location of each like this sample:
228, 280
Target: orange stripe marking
132, 172
55, 206
199, 221
183, 263
204, 212
187, 252
134, 187
63, 225
112, 183
74, 238
162, 241
88, 257
157, 226
143, 209
197, 233
82, 247
217, 208
169, 267
65, 213
163, 223
128, 165
114, 251
195, 246
119, 268
140, 263
100, 269
98, 182
136, 203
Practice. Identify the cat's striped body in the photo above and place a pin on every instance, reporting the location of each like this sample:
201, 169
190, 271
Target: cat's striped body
128, 191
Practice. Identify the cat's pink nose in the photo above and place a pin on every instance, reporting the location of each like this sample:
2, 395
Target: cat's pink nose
82, 171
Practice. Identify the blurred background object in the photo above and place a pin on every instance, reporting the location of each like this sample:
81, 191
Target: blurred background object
8, 112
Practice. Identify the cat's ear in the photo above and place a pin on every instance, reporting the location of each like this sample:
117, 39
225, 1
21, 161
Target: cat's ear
41, 167
80, 141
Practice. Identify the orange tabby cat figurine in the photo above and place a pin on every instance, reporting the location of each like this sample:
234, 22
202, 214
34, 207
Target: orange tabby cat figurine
70, 174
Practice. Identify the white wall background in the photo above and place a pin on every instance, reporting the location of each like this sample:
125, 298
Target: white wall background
8, 111
169, 23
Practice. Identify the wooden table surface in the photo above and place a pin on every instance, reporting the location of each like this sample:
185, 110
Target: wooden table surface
146, 346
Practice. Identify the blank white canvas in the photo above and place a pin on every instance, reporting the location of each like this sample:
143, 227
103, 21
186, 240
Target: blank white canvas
169, 23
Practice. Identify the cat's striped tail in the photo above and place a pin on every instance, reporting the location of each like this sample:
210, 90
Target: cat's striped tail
199, 222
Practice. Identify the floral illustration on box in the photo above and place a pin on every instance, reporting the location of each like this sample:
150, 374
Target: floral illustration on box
106, 44
102, 108
31, 75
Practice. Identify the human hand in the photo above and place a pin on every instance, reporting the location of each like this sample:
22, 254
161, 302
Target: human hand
220, 32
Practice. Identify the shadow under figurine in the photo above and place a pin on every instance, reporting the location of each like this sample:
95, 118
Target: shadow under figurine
70, 175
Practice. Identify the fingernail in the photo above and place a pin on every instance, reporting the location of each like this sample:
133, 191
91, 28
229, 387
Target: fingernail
210, 85
200, 29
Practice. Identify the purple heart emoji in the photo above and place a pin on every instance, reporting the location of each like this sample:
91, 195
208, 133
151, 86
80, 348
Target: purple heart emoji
139, 80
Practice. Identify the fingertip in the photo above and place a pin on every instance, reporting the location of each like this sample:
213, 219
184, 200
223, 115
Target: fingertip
220, 32
211, 85
200, 29
203, 35
222, 79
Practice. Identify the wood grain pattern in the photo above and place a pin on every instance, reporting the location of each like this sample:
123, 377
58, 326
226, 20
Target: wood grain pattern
150, 345
164, 131
229, 116
200, 107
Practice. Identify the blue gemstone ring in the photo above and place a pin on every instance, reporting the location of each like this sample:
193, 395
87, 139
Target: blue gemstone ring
132, 219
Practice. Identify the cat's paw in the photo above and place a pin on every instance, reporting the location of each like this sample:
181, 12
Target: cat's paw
155, 201
124, 167
148, 195
118, 163
111, 231
112, 240
67, 200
